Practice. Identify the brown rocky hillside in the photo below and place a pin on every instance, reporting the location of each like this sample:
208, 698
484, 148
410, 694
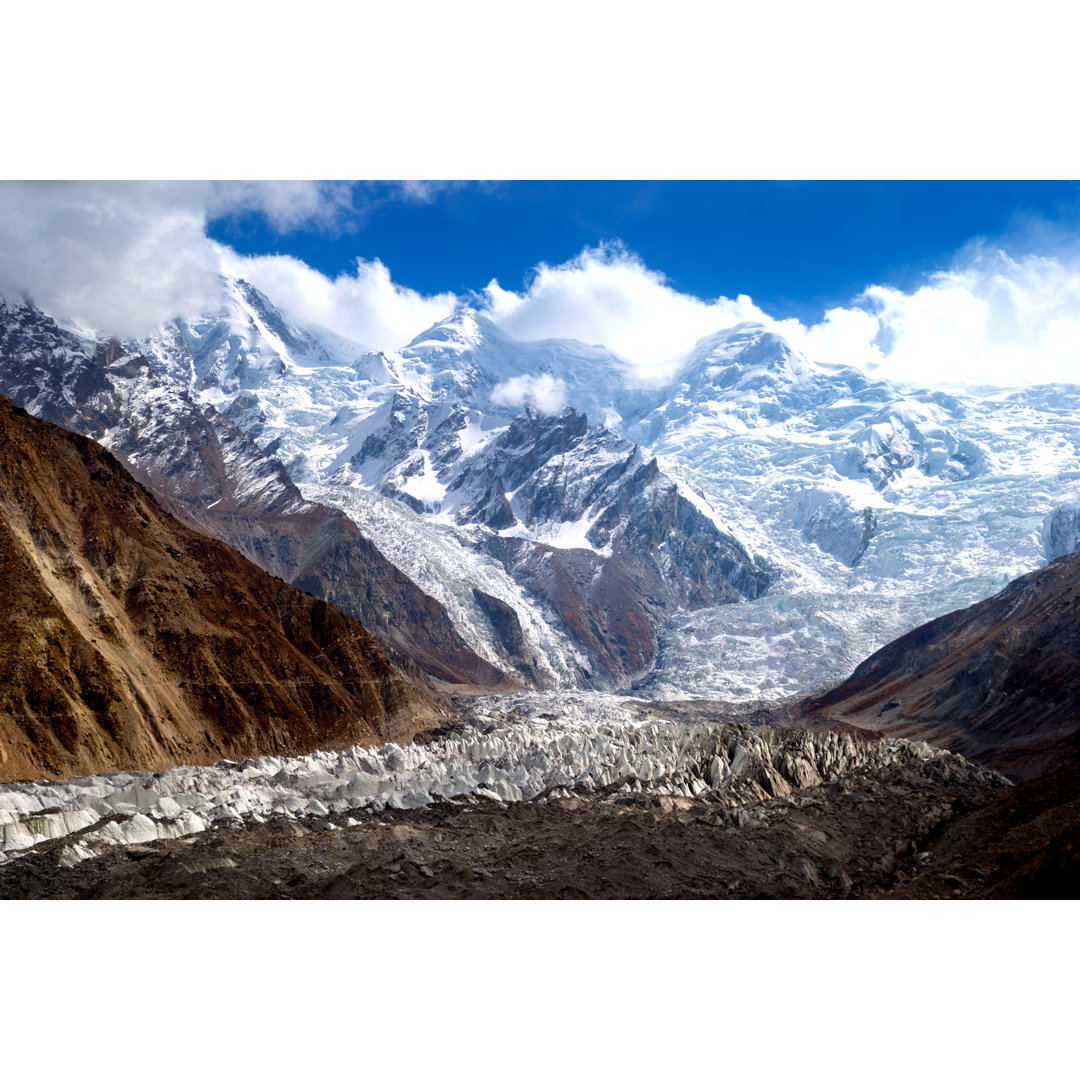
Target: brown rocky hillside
131, 642
205, 471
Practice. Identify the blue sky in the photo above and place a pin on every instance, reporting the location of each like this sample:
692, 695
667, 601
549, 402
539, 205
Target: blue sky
798, 248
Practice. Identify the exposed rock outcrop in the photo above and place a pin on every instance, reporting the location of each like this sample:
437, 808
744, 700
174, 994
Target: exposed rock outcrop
835, 524
507, 628
601, 535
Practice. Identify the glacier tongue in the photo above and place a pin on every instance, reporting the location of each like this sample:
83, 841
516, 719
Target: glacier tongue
512, 749
448, 564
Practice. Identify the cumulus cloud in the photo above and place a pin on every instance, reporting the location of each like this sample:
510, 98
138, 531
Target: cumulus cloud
286, 204
994, 318
544, 392
121, 257
115, 257
118, 258
366, 306
607, 296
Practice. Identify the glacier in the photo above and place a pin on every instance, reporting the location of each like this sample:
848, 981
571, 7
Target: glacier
512, 748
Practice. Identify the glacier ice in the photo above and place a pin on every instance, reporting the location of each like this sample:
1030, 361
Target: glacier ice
876, 506
512, 748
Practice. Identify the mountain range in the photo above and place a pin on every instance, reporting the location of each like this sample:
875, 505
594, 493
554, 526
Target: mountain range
536, 514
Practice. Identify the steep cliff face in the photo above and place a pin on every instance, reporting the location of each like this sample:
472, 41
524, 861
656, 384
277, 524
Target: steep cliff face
561, 482
131, 641
588, 523
506, 627
830, 520
206, 471
997, 682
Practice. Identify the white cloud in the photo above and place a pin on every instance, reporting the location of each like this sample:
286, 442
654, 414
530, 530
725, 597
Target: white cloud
994, 318
286, 204
321, 204
366, 306
121, 257
544, 392
607, 296
117, 257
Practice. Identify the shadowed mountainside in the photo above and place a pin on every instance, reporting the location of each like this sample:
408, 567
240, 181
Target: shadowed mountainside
204, 470
997, 682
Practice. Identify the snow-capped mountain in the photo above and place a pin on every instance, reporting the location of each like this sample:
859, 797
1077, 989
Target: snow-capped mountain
754, 527
748, 381
874, 503
467, 428
209, 473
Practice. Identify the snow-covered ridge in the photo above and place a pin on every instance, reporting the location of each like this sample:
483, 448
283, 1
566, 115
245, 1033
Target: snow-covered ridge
511, 750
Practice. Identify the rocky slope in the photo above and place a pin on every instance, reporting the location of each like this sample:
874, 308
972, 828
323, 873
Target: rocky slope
997, 682
131, 641
588, 524
207, 472
1025, 845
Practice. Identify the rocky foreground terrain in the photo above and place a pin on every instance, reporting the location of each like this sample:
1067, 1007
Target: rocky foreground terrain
928, 827
563, 795
669, 802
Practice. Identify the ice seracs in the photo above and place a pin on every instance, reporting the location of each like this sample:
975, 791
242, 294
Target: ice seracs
1061, 530
512, 749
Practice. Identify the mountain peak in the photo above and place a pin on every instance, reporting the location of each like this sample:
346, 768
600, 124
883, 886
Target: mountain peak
465, 329
730, 355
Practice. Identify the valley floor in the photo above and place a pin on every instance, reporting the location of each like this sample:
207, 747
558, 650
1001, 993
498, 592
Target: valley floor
919, 831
